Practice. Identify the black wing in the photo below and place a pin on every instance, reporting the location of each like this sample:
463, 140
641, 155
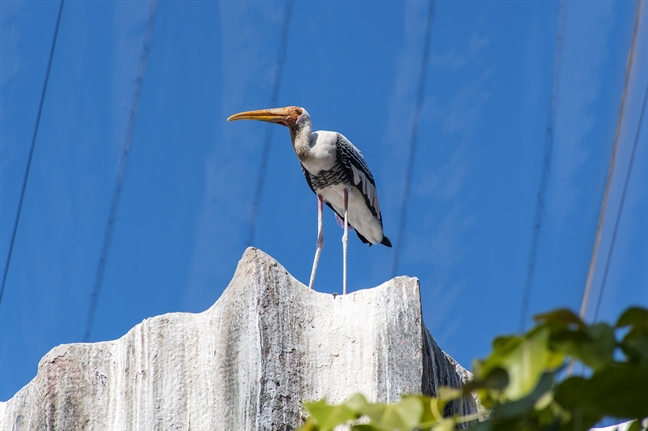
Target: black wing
350, 158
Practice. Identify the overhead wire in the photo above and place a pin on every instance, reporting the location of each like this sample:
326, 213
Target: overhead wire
414, 138
31, 152
546, 167
621, 204
265, 154
615, 147
123, 164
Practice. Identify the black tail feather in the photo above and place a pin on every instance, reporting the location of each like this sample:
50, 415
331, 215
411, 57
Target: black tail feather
362, 238
385, 240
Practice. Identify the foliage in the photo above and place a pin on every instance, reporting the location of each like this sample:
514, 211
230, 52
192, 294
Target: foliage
524, 383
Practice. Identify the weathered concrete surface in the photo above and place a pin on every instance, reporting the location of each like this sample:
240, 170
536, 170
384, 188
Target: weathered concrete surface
246, 363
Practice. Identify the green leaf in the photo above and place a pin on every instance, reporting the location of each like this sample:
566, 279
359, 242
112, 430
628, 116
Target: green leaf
524, 359
568, 342
593, 345
486, 425
526, 363
525, 405
551, 415
309, 425
635, 346
635, 342
498, 425
327, 417
502, 349
600, 353
571, 394
636, 426
635, 316
618, 391
497, 379
404, 415
445, 425
356, 403
560, 317
432, 411
447, 393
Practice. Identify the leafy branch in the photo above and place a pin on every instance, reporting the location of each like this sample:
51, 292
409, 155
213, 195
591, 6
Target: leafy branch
523, 384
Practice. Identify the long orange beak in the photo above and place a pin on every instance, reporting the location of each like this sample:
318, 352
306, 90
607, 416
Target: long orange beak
275, 115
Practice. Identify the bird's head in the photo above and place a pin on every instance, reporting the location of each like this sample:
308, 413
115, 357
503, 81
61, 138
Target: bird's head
289, 116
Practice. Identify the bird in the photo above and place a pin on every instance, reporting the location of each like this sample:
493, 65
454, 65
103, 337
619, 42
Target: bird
337, 173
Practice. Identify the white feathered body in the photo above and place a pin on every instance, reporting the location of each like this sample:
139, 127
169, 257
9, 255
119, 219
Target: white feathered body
330, 164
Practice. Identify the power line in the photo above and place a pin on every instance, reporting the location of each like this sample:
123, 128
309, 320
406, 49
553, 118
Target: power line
414, 141
114, 205
553, 251
546, 167
31, 151
599, 228
623, 195
265, 154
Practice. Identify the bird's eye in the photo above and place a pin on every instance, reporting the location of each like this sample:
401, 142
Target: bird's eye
298, 111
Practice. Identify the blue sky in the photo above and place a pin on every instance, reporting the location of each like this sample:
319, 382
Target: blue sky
183, 220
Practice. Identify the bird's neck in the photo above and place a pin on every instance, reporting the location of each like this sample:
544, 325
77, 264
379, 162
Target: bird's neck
300, 136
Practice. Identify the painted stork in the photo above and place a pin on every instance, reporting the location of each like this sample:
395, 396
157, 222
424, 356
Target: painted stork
336, 172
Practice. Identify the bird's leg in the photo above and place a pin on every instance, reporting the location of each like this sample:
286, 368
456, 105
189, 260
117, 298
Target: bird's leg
345, 240
320, 240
